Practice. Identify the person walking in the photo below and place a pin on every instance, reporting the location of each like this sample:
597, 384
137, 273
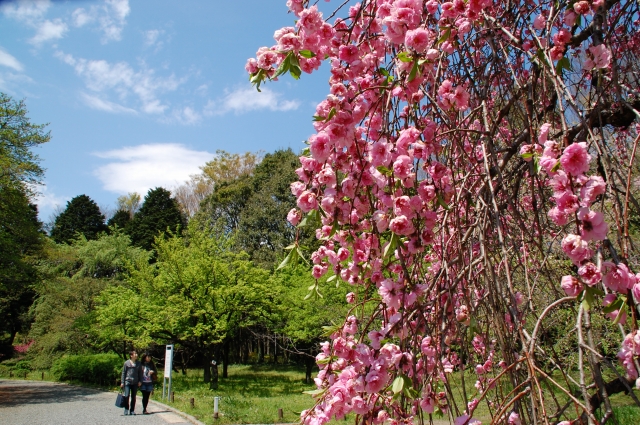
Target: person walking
149, 375
131, 379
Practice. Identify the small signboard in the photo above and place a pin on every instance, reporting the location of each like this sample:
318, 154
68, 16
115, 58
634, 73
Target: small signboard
168, 366
168, 361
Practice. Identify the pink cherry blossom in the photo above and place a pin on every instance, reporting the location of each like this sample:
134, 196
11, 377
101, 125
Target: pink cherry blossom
571, 286
594, 228
575, 159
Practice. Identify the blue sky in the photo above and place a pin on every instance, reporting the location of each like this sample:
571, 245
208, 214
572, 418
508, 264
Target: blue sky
140, 93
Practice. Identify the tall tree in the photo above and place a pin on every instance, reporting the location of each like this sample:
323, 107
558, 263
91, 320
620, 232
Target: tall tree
264, 230
20, 240
82, 216
129, 203
158, 212
18, 137
121, 219
20, 237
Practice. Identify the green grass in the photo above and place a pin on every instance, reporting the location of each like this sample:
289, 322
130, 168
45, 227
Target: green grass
251, 394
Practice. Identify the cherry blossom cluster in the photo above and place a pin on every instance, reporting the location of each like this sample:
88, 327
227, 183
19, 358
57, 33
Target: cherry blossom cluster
436, 148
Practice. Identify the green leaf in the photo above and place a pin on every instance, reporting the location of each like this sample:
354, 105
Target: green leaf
613, 306
315, 392
392, 245
292, 258
563, 64
536, 165
332, 113
318, 118
526, 155
619, 315
307, 54
384, 170
295, 71
444, 37
300, 256
588, 300
404, 56
398, 385
555, 167
414, 72
332, 278
284, 66
441, 202
383, 71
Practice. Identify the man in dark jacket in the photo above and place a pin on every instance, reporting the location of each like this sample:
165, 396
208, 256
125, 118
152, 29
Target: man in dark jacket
130, 381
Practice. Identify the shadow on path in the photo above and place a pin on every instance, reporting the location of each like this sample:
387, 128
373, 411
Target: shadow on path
14, 393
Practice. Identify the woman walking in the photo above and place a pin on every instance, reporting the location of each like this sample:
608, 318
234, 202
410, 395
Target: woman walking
130, 381
149, 374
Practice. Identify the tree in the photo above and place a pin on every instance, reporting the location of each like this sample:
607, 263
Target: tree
81, 216
263, 229
199, 294
158, 212
129, 203
18, 137
224, 169
121, 219
471, 176
72, 278
20, 242
20, 237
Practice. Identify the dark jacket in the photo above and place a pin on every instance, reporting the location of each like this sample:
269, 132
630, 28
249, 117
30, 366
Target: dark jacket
131, 373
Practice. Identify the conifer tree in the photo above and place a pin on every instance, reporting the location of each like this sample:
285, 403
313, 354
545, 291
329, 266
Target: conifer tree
82, 216
158, 213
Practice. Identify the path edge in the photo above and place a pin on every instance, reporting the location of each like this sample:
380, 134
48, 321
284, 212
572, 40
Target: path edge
188, 417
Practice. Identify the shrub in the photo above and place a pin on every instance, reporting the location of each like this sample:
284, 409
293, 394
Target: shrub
23, 365
97, 369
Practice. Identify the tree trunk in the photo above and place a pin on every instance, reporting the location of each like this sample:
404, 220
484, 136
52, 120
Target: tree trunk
260, 351
225, 359
309, 362
207, 367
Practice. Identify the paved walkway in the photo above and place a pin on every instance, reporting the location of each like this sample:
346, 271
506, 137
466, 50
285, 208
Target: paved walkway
50, 403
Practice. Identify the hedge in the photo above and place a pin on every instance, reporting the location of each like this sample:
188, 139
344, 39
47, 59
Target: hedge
97, 369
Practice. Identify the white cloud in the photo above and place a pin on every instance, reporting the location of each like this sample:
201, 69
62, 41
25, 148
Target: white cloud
48, 202
249, 99
144, 167
29, 11
110, 18
101, 76
187, 116
49, 30
95, 102
151, 37
113, 19
32, 12
7, 60
82, 17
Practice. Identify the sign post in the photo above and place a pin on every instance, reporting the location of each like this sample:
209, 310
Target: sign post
168, 367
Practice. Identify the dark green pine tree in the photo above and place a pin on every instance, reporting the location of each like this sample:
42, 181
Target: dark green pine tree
158, 213
83, 216
121, 218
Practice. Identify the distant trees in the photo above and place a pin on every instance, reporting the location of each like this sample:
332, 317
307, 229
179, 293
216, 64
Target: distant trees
81, 216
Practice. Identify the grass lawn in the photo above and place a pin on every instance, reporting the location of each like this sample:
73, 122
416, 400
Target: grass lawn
251, 394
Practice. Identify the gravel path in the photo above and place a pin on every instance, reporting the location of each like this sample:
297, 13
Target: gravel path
50, 403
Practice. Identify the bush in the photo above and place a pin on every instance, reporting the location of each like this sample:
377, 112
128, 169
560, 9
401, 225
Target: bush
97, 369
22, 366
